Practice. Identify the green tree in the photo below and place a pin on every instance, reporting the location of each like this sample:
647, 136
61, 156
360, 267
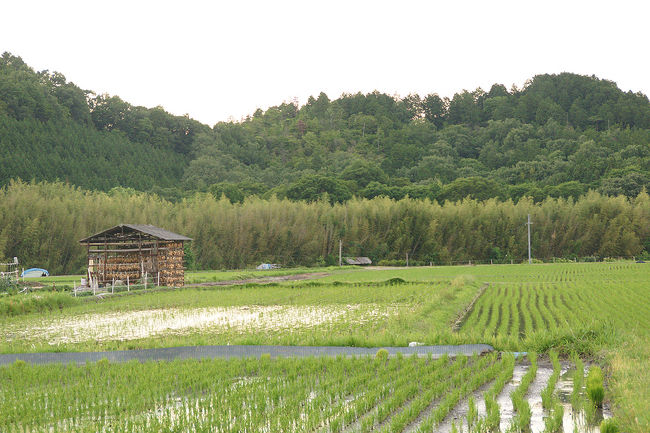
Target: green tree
316, 187
473, 187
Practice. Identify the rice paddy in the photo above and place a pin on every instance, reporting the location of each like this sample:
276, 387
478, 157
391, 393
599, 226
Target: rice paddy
572, 319
133, 325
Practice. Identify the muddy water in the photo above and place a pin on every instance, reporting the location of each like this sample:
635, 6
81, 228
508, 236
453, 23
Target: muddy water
572, 422
534, 397
459, 413
503, 400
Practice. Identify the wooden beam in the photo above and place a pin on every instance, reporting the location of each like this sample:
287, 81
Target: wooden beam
129, 242
105, 260
125, 250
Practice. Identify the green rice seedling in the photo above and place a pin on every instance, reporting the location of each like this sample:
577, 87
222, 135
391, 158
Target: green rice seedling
578, 380
381, 355
595, 389
432, 387
472, 413
609, 426
335, 425
548, 392
550, 401
521, 421
462, 388
402, 389
493, 415
554, 422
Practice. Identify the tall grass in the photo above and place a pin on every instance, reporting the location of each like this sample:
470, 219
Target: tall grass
35, 303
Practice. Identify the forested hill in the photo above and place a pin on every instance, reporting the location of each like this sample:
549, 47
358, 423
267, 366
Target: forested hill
51, 129
560, 135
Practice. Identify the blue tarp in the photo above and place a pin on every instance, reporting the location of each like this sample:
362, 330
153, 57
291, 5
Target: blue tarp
34, 273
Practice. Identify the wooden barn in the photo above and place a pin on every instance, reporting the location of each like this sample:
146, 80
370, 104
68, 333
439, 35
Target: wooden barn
128, 252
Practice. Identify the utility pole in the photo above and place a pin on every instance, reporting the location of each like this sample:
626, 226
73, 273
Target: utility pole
340, 252
530, 260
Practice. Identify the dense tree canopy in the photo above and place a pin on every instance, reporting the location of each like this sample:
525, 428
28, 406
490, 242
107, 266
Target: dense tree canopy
442, 179
559, 136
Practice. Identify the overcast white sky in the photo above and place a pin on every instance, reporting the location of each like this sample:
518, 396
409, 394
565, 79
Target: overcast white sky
216, 59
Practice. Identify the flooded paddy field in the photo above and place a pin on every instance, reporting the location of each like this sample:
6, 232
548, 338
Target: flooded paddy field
587, 315
326, 394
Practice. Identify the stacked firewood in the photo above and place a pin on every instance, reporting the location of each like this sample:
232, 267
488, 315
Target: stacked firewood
121, 267
170, 264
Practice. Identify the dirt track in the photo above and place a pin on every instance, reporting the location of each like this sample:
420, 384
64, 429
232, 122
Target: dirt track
294, 277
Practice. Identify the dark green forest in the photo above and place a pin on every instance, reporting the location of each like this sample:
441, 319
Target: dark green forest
558, 136
444, 180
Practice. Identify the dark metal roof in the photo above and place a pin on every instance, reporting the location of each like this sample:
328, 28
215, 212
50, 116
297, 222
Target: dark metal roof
357, 260
154, 231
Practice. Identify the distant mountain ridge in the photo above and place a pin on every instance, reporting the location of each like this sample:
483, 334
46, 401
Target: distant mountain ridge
560, 135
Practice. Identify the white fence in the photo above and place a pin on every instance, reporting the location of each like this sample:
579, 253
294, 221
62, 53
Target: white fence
10, 270
116, 286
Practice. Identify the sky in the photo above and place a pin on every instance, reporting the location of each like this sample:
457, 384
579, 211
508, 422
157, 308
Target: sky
221, 60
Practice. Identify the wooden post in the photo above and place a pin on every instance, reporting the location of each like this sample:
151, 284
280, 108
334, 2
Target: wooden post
88, 261
145, 281
340, 252
530, 259
128, 286
140, 255
105, 258
407, 259
491, 262
74, 288
113, 286
154, 260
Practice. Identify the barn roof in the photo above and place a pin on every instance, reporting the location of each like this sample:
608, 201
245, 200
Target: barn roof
147, 229
358, 260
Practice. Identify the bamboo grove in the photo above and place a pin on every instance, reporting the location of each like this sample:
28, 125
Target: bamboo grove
41, 224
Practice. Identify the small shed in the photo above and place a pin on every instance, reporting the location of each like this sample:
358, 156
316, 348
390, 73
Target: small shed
132, 251
357, 260
267, 266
